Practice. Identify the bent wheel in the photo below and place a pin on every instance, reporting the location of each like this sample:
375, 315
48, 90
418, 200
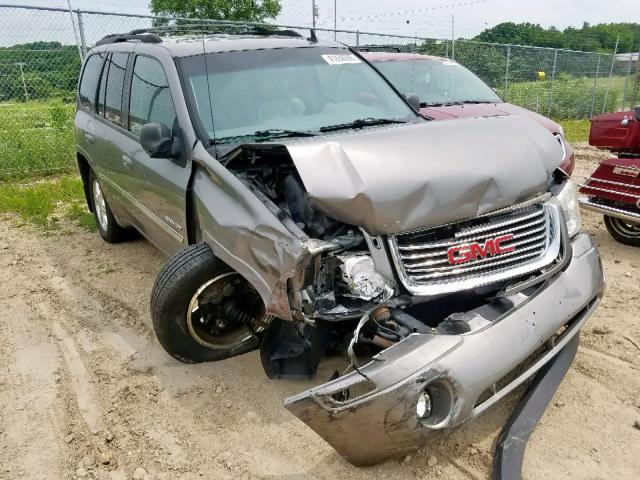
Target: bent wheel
204, 311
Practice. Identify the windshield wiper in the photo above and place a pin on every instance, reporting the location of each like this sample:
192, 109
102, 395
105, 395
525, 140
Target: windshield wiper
281, 133
477, 102
359, 123
262, 135
440, 104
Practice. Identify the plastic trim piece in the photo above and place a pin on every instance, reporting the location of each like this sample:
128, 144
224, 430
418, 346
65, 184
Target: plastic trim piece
512, 442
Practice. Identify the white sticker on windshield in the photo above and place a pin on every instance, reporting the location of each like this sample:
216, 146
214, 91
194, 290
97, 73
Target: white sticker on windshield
341, 59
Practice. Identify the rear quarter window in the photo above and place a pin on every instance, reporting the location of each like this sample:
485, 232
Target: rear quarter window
89, 83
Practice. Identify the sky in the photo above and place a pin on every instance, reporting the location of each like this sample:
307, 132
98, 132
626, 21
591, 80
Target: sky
422, 18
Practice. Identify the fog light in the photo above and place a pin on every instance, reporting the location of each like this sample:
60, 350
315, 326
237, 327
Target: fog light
423, 405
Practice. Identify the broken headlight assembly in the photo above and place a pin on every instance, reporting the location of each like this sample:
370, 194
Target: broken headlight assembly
567, 195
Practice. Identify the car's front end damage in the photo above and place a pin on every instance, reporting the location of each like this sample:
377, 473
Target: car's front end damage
448, 276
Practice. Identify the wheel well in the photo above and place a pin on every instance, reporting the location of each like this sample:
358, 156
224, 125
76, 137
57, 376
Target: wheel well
85, 168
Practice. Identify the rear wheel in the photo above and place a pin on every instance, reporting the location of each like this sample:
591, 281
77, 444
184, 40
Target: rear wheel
202, 310
109, 230
623, 231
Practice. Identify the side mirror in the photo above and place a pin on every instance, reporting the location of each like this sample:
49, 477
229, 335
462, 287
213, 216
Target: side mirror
414, 101
636, 111
157, 140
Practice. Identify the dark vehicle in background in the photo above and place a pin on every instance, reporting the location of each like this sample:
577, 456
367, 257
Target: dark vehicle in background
309, 210
614, 187
446, 90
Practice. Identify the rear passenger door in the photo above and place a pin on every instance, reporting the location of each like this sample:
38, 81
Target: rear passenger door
160, 184
115, 177
85, 121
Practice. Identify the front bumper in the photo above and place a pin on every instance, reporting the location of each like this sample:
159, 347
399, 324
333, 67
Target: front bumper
465, 374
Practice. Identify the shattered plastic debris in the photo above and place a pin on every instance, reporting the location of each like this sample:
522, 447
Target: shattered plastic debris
361, 276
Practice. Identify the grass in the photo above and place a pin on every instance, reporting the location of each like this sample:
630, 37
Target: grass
36, 138
573, 97
576, 130
44, 203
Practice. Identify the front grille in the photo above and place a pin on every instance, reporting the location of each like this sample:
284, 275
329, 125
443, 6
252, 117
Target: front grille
478, 252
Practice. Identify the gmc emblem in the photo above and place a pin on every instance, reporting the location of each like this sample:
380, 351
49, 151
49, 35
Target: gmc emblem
473, 251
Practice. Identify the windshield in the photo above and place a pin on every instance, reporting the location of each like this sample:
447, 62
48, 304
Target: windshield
437, 81
262, 94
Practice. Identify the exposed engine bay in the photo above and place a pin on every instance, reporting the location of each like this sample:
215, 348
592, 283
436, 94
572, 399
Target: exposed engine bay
340, 295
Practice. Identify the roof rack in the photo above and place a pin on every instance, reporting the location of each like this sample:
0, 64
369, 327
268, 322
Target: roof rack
154, 34
124, 37
379, 48
218, 27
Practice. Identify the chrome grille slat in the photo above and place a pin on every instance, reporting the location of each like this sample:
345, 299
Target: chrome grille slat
540, 239
487, 262
490, 227
475, 269
541, 218
422, 258
415, 256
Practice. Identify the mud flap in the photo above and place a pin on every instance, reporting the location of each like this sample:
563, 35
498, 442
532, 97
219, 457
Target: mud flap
512, 442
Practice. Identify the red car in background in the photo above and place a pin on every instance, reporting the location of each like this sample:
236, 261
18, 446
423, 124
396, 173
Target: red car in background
446, 90
614, 187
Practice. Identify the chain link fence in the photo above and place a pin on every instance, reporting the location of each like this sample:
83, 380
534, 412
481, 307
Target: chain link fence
41, 51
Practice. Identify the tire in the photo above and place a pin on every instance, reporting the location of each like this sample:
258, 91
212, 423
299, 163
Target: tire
108, 228
624, 232
214, 330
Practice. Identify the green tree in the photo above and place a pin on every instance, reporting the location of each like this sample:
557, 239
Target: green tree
600, 38
238, 10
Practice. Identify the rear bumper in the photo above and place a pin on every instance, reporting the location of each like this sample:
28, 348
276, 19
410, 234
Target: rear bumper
465, 374
627, 215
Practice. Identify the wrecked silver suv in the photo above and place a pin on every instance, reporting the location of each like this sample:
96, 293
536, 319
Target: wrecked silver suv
311, 211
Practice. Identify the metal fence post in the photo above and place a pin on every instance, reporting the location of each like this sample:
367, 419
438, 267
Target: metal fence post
626, 81
613, 63
83, 43
75, 31
506, 75
553, 76
357, 38
595, 81
24, 84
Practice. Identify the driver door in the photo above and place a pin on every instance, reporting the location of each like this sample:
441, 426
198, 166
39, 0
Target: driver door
159, 193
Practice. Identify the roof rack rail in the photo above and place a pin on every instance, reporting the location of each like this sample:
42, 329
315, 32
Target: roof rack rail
226, 28
378, 48
143, 37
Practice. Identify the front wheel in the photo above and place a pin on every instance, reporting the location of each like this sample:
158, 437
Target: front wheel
204, 311
623, 231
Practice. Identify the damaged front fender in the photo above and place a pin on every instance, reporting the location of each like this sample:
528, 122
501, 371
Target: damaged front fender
245, 234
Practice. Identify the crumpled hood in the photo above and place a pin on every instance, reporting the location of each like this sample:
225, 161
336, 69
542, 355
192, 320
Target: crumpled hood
410, 177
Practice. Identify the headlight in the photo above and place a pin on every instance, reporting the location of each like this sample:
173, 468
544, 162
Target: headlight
568, 197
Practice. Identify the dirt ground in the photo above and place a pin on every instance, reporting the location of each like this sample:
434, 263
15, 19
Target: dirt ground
87, 392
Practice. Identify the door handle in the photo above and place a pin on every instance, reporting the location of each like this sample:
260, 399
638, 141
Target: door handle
127, 161
89, 138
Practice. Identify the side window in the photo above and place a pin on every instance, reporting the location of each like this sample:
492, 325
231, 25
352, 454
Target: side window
89, 82
151, 99
103, 87
115, 86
